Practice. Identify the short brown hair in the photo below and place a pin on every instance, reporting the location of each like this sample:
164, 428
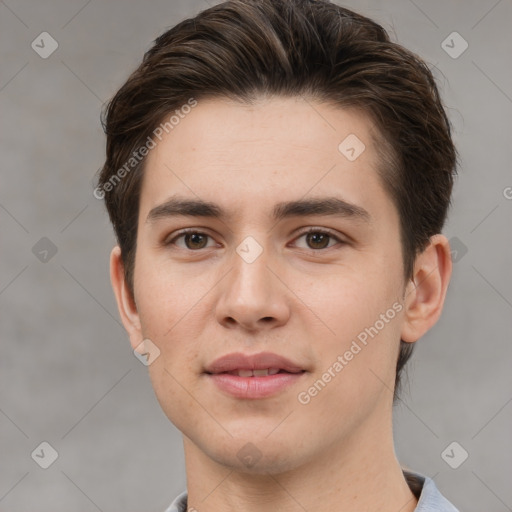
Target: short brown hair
245, 49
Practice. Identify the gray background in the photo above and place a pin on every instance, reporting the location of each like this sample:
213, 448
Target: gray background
67, 373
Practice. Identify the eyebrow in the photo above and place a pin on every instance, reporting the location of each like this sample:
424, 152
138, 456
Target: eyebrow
176, 206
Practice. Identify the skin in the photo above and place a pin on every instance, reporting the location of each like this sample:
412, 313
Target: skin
199, 301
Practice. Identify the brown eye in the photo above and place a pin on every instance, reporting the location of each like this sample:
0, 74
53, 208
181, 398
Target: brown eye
195, 240
318, 240
190, 240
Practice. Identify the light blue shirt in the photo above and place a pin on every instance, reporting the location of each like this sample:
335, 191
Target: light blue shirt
429, 497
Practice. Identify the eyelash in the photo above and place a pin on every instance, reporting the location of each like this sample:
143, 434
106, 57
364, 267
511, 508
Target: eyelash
193, 231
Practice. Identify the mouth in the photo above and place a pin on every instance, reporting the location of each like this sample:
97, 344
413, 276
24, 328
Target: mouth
264, 372
254, 376
257, 364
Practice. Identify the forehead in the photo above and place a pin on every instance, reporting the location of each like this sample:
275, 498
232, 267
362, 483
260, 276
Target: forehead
269, 151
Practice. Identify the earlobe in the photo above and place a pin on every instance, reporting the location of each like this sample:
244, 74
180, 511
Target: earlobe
125, 302
426, 292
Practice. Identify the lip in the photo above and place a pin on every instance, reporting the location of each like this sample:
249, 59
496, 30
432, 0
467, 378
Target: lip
253, 387
240, 361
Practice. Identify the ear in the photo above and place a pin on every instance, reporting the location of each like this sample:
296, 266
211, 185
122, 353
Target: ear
426, 292
125, 302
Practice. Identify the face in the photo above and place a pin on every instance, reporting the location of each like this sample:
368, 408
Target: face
296, 255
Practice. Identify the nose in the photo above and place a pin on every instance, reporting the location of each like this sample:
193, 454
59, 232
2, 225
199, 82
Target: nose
252, 296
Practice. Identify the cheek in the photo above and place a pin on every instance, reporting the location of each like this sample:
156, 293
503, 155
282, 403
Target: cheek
348, 299
361, 318
164, 295
170, 389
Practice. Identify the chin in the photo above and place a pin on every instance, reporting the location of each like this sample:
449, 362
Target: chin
256, 455
253, 461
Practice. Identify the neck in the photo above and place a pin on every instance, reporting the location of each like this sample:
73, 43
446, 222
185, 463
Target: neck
360, 473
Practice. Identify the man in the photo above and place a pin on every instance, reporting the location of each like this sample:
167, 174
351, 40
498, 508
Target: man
278, 174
